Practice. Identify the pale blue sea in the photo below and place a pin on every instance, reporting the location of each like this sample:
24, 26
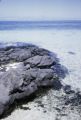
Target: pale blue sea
24, 25
61, 37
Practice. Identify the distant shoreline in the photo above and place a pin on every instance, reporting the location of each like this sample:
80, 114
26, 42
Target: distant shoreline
77, 20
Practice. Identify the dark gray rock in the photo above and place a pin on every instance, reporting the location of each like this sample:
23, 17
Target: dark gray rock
34, 61
24, 69
40, 61
46, 61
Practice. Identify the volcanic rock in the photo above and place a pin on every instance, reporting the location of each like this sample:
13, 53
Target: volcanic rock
24, 69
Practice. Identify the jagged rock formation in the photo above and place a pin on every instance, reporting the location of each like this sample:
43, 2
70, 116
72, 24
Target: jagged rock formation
24, 69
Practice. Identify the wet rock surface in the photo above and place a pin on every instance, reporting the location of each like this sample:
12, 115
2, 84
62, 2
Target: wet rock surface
24, 69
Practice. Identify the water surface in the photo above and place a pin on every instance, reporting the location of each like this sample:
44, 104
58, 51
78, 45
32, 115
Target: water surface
63, 38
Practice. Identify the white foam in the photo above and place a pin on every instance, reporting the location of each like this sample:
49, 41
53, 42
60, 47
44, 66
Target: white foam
12, 66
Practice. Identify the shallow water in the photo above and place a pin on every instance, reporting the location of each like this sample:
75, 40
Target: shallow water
67, 45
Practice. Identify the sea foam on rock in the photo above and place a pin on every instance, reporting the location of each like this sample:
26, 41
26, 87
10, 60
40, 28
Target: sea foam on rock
24, 69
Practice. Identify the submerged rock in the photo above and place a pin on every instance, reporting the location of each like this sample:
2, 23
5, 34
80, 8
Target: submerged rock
24, 69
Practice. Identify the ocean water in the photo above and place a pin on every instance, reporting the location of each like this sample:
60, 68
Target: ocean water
17, 25
62, 37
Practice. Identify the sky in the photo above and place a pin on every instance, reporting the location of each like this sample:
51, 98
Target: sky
40, 9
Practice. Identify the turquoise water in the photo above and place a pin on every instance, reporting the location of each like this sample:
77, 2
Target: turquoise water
64, 41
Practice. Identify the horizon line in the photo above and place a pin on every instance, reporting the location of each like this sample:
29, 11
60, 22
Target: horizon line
40, 20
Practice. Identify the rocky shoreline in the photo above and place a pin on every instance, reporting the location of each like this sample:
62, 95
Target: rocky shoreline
25, 69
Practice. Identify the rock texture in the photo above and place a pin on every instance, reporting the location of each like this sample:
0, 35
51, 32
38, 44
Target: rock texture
24, 69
